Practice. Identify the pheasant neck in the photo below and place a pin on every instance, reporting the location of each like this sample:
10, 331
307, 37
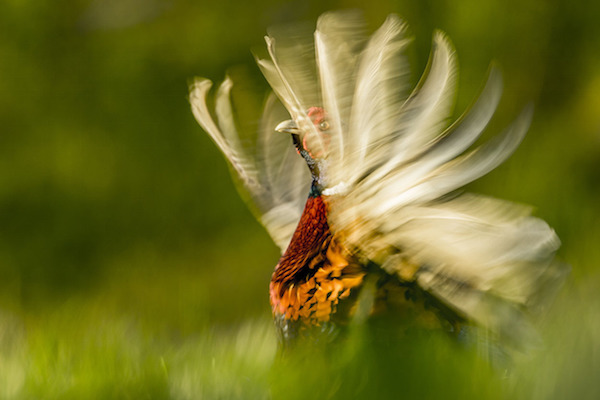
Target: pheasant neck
311, 234
312, 164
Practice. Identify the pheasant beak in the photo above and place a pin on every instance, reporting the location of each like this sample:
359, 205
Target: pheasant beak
288, 126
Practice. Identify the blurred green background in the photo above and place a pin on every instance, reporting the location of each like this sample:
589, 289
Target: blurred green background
129, 266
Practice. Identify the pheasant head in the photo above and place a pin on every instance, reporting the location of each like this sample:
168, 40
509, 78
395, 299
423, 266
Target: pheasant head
312, 144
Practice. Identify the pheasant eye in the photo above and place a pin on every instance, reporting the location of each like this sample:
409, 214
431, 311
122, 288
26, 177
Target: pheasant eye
324, 125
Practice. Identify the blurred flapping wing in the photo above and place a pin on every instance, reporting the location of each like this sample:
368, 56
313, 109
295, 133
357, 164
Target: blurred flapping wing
269, 172
393, 159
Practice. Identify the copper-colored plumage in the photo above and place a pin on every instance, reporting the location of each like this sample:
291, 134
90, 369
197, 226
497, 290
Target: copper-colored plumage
314, 274
317, 282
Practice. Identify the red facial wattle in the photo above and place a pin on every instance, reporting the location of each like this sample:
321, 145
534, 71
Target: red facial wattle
318, 116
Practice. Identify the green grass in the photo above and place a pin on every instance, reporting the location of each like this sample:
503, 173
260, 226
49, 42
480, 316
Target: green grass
80, 351
75, 356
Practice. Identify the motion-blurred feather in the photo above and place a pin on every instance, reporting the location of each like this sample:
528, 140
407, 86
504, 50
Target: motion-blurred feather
381, 209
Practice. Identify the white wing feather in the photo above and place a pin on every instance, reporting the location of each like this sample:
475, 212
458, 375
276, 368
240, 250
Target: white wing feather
339, 42
382, 81
270, 173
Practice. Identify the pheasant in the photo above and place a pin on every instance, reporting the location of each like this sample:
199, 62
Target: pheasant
384, 229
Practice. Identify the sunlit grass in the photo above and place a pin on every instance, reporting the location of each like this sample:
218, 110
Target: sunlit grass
81, 351
73, 354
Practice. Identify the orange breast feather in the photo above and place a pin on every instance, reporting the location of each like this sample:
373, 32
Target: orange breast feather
315, 273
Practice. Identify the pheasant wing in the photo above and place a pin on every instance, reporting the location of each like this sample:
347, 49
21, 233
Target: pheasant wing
395, 161
270, 175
